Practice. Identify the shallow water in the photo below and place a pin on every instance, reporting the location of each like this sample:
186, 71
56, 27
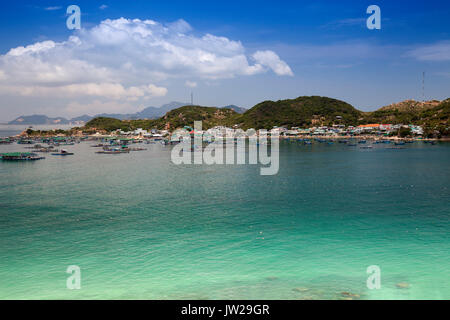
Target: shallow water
141, 227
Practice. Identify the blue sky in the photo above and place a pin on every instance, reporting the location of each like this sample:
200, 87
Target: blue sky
256, 50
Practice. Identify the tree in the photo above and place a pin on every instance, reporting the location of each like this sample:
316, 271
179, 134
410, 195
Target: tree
404, 132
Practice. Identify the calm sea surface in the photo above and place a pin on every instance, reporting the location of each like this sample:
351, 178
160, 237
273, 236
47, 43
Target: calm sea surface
140, 227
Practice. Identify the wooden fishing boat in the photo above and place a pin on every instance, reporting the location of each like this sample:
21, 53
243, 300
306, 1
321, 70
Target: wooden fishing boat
5, 141
22, 141
137, 149
63, 153
114, 151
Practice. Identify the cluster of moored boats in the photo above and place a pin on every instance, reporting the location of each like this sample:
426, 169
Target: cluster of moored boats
38, 147
116, 149
114, 145
20, 156
109, 146
364, 144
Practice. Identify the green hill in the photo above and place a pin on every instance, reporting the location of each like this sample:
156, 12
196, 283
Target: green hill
177, 118
405, 112
108, 124
185, 116
300, 112
436, 119
437, 116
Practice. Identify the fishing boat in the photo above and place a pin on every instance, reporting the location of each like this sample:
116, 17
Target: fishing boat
137, 149
63, 153
46, 149
362, 141
20, 156
399, 143
114, 151
5, 141
22, 141
366, 147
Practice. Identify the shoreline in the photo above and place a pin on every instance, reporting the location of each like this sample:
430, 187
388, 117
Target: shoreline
325, 137
365, 137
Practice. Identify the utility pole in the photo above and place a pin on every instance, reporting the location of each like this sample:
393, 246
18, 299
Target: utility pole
192, 98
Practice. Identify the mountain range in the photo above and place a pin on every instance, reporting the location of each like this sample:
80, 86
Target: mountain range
299, 112
147, 113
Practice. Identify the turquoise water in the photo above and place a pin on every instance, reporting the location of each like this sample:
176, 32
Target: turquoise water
140, 227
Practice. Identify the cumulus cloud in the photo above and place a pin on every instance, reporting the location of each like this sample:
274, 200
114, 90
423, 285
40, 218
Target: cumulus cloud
436, 52
125, 49
127, 59
271, 60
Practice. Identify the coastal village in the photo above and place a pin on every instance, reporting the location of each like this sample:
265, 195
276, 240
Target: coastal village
305, 120
374, 131
119, 141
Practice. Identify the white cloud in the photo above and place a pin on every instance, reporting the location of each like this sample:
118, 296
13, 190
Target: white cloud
436, 52
127, 60
32, 48
271, 60
53, 8
145, 48
189, 84
103, 7
112, 91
